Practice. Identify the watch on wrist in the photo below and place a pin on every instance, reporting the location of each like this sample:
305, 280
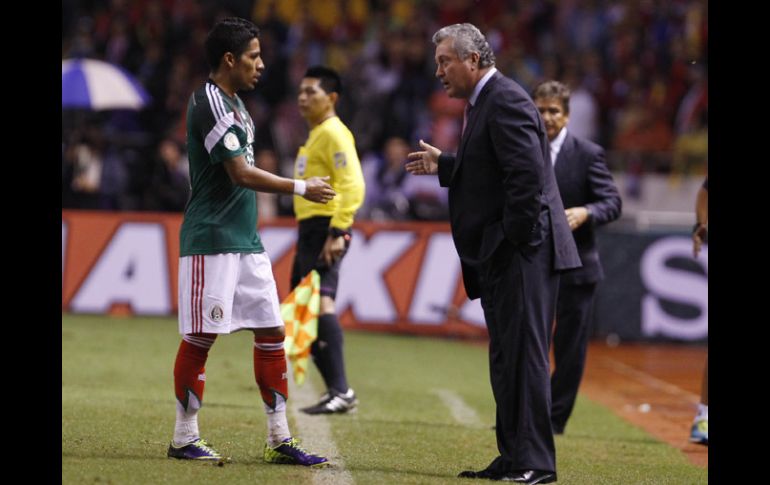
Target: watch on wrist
336, 232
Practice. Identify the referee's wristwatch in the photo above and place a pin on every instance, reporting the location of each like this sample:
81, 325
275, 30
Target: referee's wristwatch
336, 232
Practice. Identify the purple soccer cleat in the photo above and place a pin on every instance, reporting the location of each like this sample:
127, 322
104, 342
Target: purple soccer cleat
197, 450
290, 453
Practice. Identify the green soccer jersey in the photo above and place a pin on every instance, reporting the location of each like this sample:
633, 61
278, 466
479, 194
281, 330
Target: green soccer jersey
220, 216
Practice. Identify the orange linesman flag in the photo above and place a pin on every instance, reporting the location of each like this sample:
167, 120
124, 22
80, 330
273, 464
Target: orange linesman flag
300, 315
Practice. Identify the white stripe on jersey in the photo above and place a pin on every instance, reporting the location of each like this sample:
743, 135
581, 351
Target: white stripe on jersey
218, 107
219, 131
224, 119
215, 101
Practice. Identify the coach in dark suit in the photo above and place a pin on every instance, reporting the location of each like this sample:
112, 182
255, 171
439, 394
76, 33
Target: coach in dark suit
591, 199
512, 237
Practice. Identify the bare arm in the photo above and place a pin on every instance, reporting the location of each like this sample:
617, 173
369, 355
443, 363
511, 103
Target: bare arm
702, 219
244, 175
702, 206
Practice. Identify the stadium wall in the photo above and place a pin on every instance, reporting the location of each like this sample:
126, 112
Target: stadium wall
399, 277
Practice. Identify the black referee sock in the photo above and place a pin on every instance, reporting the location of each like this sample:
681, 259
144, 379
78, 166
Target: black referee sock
327, 353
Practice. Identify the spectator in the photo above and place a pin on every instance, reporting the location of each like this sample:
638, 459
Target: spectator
385, 177
169, 187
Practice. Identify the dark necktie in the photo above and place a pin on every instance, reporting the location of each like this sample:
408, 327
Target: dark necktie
466, 114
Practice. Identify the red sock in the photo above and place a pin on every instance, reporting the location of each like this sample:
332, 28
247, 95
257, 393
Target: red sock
189, 368
270, 369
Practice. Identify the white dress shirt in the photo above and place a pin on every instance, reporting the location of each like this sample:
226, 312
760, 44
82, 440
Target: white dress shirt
480, 85
556, 145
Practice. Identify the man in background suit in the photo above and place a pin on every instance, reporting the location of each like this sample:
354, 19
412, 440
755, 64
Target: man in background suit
512, 237
591, 198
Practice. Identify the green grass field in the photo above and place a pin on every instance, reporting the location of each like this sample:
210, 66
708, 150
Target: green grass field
118, 415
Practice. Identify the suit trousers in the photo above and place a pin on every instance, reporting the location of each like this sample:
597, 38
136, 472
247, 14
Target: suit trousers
518, 295
570, 345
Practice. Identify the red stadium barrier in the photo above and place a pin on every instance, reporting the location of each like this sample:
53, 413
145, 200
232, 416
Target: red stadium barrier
399, 277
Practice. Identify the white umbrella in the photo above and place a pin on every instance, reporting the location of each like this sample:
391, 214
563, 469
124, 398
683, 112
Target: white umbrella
99, 85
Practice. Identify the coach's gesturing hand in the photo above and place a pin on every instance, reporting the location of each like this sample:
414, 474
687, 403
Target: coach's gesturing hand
424, 162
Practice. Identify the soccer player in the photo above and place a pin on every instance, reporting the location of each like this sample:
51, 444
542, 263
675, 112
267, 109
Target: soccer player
225, 278
699, 433
324, 230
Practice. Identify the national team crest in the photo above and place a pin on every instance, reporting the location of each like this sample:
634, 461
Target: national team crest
217, 313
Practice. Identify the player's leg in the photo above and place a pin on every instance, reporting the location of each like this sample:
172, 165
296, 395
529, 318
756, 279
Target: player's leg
699, 433
256, 307
189, 382
205, 299
270, 373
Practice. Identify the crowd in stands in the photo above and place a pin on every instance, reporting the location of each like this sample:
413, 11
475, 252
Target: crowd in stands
637, 69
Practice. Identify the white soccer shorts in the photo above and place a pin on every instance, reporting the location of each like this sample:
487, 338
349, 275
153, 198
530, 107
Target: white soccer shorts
224, 293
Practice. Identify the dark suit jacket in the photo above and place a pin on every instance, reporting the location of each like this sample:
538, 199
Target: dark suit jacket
584, 180
502, 190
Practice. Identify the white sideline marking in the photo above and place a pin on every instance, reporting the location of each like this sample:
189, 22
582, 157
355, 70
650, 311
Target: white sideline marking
651, 381
461, 412
316, 434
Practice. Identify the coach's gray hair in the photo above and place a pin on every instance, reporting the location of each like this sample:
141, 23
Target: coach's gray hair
467, 39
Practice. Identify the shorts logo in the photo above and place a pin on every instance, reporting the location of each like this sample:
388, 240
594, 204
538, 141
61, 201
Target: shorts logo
231, 141
217, 313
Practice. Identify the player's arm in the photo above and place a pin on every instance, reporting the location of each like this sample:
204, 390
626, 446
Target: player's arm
226, 142
700, 230
314, 189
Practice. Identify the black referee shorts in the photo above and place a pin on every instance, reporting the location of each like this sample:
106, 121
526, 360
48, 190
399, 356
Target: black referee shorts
312, 236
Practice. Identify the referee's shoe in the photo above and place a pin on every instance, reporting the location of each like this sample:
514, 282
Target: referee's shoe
334, 402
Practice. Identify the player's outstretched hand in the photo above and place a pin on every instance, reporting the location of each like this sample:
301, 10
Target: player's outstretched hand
318, 190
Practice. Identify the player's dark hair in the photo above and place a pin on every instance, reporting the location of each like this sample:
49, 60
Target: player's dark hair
553, 89
231, 34
330, 80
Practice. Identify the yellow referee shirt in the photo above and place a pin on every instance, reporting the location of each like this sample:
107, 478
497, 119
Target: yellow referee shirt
330, 150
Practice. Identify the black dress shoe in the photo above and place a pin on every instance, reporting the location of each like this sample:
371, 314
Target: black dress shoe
485, 473
529, 477
493, 471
